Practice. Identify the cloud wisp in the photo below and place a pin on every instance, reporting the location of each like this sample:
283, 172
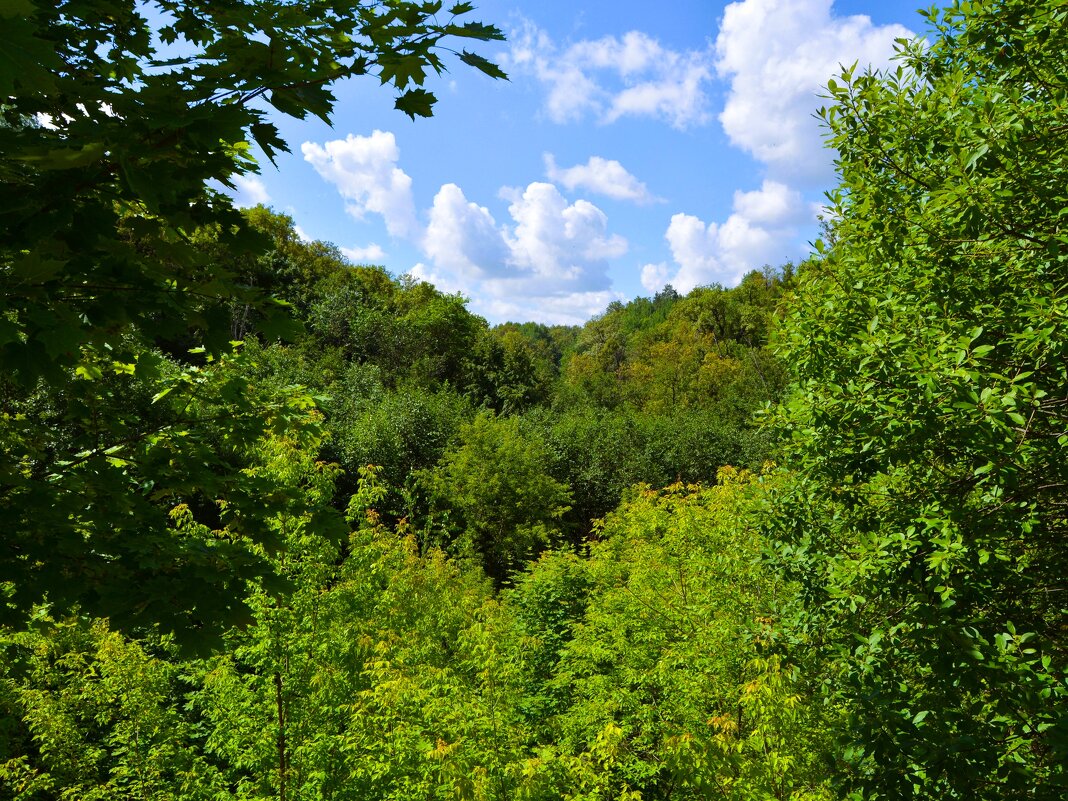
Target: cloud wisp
601, 176
368, 254
615, 77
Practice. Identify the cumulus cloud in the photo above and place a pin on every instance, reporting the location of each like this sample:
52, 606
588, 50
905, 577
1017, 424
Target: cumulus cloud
614, 77
601, 176
462, 237
777, 56
759, 231
364, 170
554, 239
655, 276
548, 262
371, 254
251, 191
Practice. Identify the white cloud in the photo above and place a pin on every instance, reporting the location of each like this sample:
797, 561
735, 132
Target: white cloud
777, 56
371, 254
548, 263
694, 247
759, 231
462, 237
251, 191
679, 100
610, 78
602, 176
364, 170
557, 240
774, 203
634, 53
302, 235
655, 276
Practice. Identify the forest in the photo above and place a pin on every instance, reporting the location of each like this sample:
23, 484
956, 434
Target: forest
277, 525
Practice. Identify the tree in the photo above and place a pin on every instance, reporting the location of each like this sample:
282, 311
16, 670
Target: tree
382, 674
926, 520
109, 145
496, 494
509, 371
90, 714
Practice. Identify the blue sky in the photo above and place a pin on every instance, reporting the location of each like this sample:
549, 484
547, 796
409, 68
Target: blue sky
635, 145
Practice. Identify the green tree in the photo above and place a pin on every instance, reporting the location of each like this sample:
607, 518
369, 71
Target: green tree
492, 490
109, 145
926, 519
400, 432
102, 478
704, 350
509, 372
383, 675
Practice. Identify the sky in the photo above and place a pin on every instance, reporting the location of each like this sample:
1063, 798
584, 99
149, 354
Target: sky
634, 145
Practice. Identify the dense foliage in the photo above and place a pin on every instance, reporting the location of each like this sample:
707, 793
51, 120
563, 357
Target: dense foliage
927, 432
634, 671
412, 382
423, 557
121, 399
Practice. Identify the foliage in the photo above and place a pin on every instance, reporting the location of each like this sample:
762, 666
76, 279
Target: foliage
378, 676
601, 453
166, 485
110, 246
139, 136
156, 485
511, 372
385, 673
926, 517
401, 432
704, 350
93, 717
493, 493
657, 677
